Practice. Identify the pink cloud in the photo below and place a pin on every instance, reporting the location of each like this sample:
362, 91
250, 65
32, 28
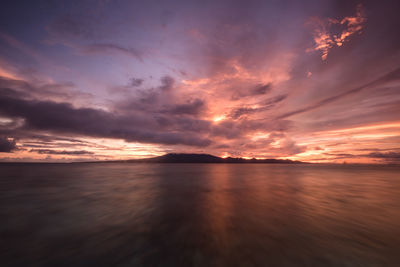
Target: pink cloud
325, 40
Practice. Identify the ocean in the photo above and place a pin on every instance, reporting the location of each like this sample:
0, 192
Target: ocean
120, 214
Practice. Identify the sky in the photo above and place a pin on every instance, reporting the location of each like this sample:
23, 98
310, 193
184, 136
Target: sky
315, 81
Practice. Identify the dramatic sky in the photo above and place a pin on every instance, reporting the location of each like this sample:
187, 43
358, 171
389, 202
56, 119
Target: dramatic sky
316, 81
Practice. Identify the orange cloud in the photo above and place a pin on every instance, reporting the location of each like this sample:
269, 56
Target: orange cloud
354, 144
325, 40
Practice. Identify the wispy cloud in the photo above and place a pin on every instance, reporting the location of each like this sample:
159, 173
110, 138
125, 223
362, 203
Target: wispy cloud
391, 76
101, 48
62, 152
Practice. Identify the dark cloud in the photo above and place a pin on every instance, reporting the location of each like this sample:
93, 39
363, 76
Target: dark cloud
222, 146
167, 83
64, 118
62, 152
42, 90
261, 89
340, 155
254, 91
149, 100
191, 107
7, 145
264, 106
387, 155
237, 113
274, 100
135, 82
126, 90
228, 129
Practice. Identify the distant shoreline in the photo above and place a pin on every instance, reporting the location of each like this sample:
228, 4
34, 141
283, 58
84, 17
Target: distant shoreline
200, 158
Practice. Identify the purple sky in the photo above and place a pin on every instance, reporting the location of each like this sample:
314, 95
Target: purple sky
316, 81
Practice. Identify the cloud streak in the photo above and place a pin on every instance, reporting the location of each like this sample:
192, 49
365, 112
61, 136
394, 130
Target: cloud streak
112, 48
61, 152
391, 76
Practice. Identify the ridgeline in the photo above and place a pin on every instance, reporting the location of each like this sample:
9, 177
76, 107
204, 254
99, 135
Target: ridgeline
199, 158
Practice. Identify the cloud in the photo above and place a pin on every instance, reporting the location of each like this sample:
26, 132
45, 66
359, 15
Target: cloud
83, 33
354, 25
135, 82
110, 48
340, 155
44, 90
387, 155
264, 105
391, 76
274, 100
126, 89
291, 148
261, 89
61, 152
390, 156
258, 90
237, 113
7, 145
167, 83
191, 107
325, 40
151, 100
64, 118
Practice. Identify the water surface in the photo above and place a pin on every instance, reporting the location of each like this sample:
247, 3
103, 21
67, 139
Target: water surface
199, 215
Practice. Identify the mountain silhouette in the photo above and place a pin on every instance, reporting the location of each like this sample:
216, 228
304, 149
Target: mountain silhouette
201, 158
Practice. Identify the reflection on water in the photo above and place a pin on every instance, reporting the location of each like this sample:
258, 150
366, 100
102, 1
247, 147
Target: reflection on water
199, 215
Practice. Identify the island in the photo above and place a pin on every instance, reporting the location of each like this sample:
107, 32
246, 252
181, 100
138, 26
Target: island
199, 158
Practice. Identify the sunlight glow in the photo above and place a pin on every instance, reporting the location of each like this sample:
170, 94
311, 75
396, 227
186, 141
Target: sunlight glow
219, 118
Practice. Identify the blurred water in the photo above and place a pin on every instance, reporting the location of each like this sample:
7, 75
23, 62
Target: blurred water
199, 215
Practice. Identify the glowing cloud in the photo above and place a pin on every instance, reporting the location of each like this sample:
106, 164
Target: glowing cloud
323, 37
